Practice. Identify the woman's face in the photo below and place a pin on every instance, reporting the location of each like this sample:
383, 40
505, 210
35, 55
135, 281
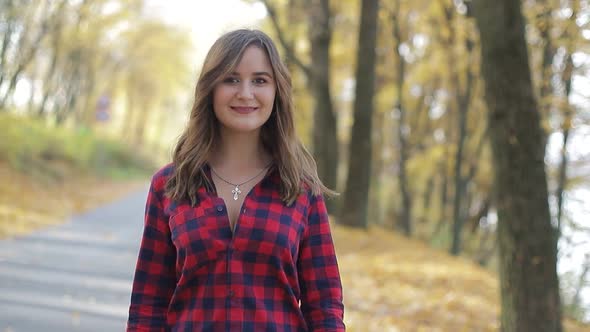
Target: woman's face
243, 101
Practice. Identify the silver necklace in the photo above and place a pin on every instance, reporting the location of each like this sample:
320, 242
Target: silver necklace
236, 191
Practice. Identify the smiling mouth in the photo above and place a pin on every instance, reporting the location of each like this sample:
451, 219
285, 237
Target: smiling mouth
243, 110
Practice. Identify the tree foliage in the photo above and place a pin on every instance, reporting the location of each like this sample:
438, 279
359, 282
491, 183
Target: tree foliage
64, 56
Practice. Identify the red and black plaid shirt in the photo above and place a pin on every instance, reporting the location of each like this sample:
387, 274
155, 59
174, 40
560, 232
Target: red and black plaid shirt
276, 272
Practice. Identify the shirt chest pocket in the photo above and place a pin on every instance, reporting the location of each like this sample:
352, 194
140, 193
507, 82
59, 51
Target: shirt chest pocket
198, 236
275, 235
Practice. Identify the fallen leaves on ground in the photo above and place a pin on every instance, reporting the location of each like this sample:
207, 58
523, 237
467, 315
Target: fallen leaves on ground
32, 202
392, 283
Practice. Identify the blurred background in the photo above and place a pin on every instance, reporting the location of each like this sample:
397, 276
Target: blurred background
94, 94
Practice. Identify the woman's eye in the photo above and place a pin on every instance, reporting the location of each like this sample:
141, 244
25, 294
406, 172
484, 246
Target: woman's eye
231, 80
259, 80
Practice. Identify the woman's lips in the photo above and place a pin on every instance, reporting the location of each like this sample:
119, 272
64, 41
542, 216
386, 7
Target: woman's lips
244, 110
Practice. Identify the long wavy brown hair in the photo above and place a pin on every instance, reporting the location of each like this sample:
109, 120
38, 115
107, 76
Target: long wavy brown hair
296, 166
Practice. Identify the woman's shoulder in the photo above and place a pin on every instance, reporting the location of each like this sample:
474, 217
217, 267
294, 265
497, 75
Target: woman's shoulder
160, 177
307, 196
165, 171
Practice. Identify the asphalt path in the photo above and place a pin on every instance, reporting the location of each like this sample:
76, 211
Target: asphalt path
73, 277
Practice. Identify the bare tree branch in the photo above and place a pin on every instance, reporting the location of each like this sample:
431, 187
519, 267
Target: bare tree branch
283, 40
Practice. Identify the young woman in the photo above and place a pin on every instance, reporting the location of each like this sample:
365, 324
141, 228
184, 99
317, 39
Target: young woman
236, 234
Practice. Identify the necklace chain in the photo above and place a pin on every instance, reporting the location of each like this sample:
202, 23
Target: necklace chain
236, 191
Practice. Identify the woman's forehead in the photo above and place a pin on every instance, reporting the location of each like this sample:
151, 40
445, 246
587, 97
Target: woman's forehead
253, 60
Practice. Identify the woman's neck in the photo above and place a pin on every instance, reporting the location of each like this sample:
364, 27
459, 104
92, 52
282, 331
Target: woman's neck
239, 154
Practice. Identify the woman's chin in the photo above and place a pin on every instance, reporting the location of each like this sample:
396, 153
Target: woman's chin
243, 128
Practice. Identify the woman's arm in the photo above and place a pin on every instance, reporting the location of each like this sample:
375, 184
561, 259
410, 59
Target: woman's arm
155, 276
319, 278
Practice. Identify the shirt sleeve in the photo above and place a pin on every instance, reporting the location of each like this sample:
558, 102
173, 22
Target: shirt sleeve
155, 276
319, 278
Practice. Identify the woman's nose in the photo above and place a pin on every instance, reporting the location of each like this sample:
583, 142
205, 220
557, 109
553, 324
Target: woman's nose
245, 90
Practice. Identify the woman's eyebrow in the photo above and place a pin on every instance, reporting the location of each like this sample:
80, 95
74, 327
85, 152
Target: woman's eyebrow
262, 73
257, 73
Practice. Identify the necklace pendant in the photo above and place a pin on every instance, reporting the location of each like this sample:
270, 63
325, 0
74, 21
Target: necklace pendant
236, 191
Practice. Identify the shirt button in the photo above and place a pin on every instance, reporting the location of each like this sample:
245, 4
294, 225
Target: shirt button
231, 293
244, 210
219, 208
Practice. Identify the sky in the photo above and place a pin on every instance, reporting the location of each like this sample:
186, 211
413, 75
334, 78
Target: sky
206, 20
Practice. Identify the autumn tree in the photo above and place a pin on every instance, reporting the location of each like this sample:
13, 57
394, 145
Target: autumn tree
317, 71
528, 279
23, 26
405, 223
150, 48
356, 195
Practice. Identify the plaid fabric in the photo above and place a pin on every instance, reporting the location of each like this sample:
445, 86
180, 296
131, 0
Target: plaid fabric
277, 272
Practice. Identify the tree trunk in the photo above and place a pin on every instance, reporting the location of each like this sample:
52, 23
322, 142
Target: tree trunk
563, 164
528, 277
378, 167
143, 115
463, 101
325, 139
546, 94
47, 85
9, 27
27, 56
566, 78
131, 105
444, 196
356, 196
405, 221
427, 197
56, 50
